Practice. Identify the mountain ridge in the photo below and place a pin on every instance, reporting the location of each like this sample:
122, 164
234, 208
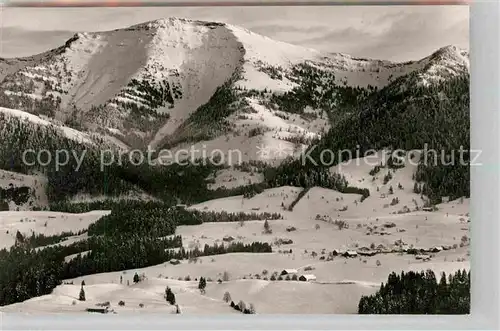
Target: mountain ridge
143, 84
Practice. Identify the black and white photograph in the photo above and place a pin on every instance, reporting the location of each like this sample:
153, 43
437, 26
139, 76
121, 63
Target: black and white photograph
235, 160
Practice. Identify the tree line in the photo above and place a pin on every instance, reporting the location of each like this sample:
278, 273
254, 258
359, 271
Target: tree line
405, 116
420, 293
169, 183
26, 272
128, 238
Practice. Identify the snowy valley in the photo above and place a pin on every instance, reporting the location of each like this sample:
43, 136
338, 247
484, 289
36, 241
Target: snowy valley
269, 233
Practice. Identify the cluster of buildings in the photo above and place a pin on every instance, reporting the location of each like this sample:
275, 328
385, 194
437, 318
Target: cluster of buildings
303, 278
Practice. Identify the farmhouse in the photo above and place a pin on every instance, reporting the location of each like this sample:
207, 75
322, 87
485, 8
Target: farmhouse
350, 254
389, 225
174, 261
104, 310
381, 247
436, 249
288, 272
366, 252
307, 278
228, 238
423, 257
404, 210
336, 252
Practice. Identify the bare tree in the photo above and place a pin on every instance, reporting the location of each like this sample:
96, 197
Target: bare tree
252, 308
267, 228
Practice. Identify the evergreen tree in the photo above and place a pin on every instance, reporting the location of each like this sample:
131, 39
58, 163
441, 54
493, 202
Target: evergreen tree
267, 227
416, 188
420, 293
19, 238
170, 296
202, 285
4, 205
82, 294
167, 293
251, 309
241, 305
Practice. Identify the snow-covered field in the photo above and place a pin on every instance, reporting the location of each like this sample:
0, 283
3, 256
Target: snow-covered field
42, 222
37, 184
315, 234
230, 178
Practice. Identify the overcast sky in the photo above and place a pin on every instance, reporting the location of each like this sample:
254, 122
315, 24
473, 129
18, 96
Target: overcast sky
397, 33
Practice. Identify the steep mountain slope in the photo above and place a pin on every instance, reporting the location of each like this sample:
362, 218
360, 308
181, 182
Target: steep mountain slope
37, 120
211, 87
133, 76
170, 81
44, 161
432, 119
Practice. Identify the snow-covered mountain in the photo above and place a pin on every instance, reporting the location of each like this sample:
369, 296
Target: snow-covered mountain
93, 228
173, 81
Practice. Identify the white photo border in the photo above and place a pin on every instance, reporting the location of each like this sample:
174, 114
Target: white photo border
485, 229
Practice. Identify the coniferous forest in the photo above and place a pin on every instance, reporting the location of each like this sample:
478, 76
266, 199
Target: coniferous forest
128, 238
419, 118
420, 293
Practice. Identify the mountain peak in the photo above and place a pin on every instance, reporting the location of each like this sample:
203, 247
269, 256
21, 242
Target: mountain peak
451, 52
169, 22
147, 81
